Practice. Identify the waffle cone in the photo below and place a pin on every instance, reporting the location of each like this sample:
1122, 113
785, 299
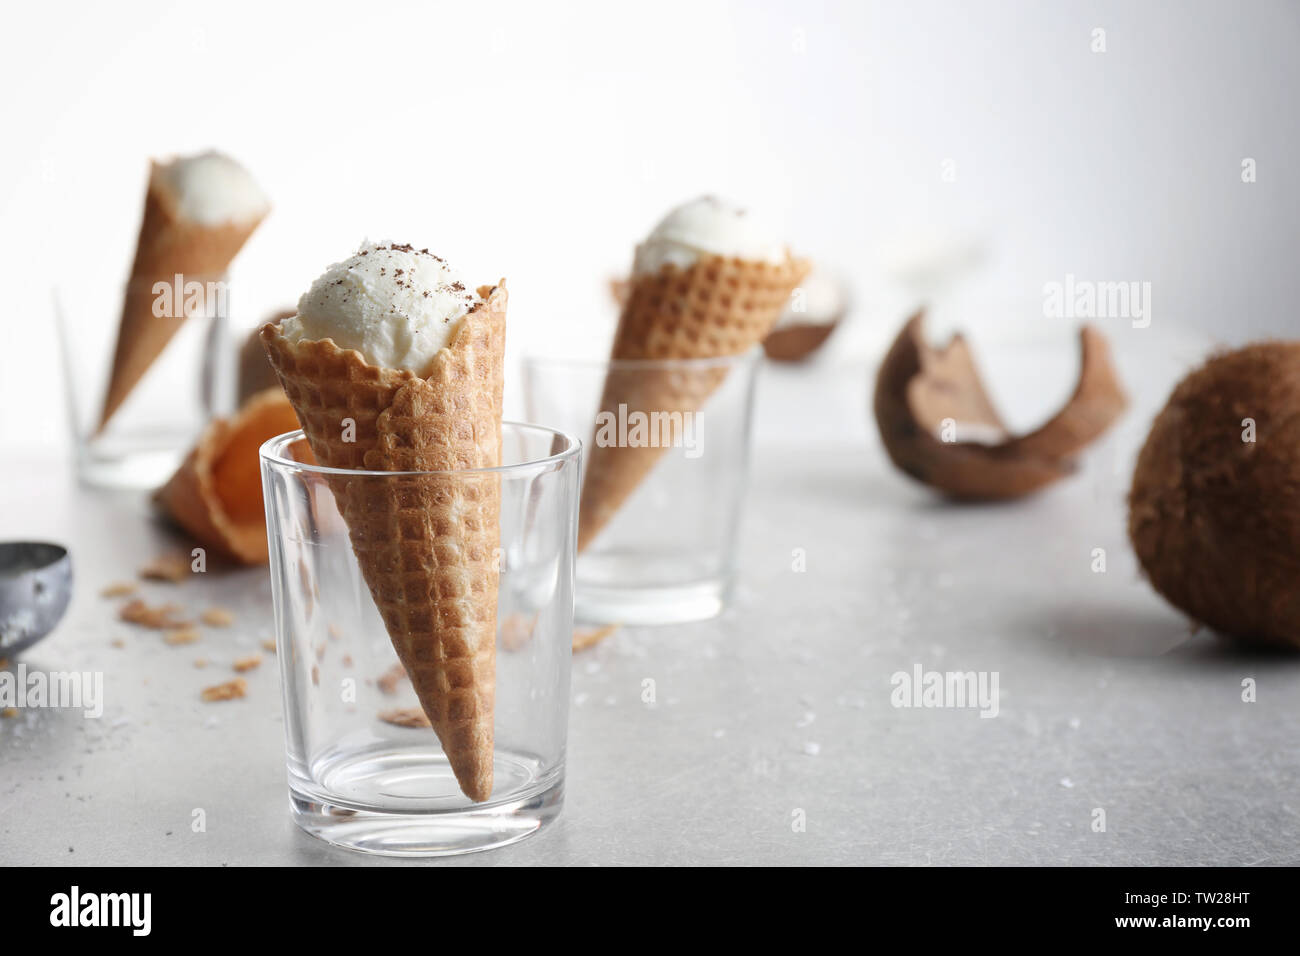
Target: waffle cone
426, 544
169, 245
715, 308
216, 494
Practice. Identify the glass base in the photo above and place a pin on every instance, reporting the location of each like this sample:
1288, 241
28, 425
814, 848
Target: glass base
128, 469
647, 587
640, 606
404, 801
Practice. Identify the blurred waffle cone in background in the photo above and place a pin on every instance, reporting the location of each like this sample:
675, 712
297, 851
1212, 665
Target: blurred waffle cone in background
714, 308
179, 236
620, 290
811, 314
216, 494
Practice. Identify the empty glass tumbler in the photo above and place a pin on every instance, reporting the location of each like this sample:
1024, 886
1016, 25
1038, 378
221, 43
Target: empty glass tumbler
145, 367
665, 468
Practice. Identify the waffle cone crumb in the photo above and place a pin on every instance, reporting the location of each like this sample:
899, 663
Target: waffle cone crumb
181, 636
160, 617
217, 617
585, 637
405, 717
517, 630
230, 690
168, 567
390, 679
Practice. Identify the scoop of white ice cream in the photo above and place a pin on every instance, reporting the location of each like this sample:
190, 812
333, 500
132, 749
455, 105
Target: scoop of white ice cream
396, 305
707, 226
211, 188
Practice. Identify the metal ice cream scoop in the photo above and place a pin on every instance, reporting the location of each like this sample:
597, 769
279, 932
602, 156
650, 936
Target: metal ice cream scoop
35, 588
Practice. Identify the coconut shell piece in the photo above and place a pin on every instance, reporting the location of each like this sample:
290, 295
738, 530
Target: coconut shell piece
919, 387
216, 494
809, 320
794, 343
1214, 511
255, 371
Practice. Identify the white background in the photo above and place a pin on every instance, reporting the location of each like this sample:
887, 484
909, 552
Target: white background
540, 141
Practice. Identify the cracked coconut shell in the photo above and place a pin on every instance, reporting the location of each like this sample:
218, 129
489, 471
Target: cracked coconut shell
920, 388
1214, 516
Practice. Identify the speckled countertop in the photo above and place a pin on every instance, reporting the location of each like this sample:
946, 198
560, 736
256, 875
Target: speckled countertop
774, 738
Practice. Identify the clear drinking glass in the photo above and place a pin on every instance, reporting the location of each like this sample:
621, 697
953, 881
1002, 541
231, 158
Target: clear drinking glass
664, 478
190, 381
358, 777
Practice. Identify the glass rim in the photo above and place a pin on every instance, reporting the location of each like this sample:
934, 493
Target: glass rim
751, 355
271, 452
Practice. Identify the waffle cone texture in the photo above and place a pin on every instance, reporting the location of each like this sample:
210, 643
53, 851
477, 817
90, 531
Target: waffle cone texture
715, 308
168, 245
426, 544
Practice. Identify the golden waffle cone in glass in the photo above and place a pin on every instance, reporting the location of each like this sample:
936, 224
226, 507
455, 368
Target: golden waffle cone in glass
426, 544
169, 245
216, 493
715, 308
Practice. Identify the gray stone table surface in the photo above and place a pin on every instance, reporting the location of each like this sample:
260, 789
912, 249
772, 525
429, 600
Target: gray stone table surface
778, 712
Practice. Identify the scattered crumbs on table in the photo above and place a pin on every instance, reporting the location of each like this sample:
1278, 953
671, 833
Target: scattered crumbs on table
230, 690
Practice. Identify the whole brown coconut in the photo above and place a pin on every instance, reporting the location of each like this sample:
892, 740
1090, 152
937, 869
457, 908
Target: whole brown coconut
1215, 517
